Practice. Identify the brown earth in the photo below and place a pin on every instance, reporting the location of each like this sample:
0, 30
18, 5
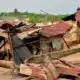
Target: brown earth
5, 74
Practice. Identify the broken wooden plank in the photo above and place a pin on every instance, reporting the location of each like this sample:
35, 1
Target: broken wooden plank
52, 55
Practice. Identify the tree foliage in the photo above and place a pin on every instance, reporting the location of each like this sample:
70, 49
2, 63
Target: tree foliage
33, 17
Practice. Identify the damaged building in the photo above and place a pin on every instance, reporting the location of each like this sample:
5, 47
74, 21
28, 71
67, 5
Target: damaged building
48, 39
53, 37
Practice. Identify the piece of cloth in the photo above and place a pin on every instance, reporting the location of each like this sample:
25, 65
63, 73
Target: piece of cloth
20, 51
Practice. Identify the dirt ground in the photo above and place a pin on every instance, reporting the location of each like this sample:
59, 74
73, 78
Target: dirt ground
5, 74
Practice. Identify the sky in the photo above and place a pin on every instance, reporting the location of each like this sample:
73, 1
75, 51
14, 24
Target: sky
50, 6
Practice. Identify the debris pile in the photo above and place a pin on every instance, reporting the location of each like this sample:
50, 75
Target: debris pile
38, 52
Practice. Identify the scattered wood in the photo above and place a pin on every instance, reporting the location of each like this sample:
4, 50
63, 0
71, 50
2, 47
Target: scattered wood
52, 55
33, 70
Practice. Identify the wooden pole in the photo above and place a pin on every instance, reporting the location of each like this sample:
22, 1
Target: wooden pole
66, 43
11, 48
10, 41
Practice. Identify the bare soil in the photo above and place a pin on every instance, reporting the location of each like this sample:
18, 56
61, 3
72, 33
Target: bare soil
5, 74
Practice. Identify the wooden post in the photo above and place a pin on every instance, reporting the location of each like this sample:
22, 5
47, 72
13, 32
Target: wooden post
66, 43
11, 48
78, 30
4, 46
10, 41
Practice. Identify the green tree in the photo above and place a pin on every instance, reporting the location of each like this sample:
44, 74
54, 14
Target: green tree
16, 10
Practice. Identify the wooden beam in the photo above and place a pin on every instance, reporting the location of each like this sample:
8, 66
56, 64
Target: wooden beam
66, 43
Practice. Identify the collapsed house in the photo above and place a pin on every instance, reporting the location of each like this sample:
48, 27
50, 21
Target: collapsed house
40, 40
9, 29
4, 35
48, 39
52, 36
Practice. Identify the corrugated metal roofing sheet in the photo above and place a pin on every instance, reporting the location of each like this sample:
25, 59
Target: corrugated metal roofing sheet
56, 29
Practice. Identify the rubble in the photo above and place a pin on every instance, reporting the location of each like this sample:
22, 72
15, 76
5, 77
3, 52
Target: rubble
38, 52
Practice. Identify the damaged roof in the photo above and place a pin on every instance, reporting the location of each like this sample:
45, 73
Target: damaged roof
10, 23
56, 29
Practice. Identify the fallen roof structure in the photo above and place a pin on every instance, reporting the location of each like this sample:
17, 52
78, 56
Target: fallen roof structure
57, 29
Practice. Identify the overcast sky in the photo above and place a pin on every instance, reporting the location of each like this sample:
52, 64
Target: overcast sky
50, 6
